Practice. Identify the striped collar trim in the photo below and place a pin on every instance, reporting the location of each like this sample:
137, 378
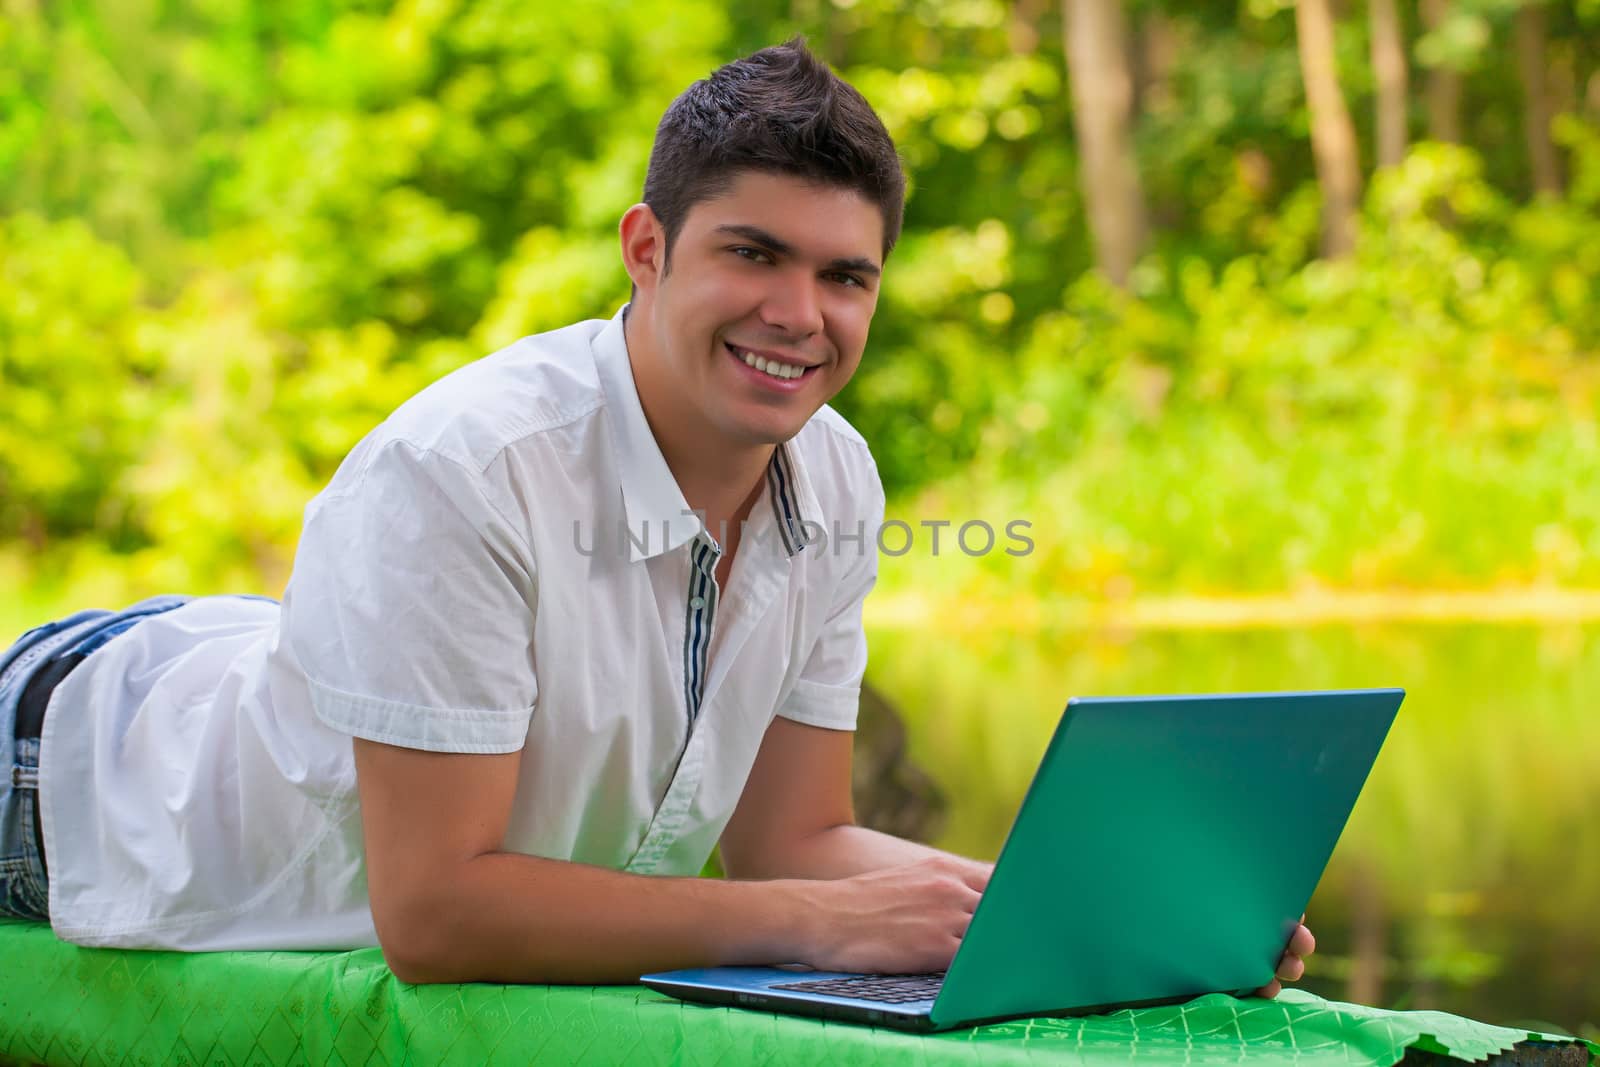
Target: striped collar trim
794, 504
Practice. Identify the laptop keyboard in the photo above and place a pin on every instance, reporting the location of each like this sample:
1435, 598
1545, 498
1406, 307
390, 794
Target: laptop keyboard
885, 988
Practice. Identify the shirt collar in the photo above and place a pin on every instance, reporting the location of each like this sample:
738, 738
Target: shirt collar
655, 510
652, 503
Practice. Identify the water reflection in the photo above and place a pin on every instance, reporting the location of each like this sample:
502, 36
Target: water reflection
1468, 879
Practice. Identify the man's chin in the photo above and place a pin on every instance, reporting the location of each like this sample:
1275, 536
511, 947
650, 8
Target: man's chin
764, 434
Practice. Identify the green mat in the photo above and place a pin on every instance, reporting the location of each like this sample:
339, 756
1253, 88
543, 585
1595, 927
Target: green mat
60, 1004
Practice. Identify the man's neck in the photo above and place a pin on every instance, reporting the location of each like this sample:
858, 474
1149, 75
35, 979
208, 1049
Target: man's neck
716, 478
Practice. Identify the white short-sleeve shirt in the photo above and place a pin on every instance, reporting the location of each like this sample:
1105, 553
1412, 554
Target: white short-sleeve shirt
505, 564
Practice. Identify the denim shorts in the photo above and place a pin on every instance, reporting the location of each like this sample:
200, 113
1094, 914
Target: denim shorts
23, 878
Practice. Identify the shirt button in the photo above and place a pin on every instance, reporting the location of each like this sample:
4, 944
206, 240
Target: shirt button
697, 602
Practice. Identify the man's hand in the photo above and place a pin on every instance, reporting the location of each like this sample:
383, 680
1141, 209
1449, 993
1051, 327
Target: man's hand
903, 920
1293, 964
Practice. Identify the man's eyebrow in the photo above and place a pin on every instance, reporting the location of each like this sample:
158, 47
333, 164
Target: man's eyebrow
859, 264
761, 237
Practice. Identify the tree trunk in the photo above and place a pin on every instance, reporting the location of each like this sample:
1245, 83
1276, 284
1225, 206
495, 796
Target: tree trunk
1389, 66
1102, 113
1536, 108
1333, 138
1444, 83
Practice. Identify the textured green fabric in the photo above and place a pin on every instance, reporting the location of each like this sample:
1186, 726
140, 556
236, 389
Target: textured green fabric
60, 1004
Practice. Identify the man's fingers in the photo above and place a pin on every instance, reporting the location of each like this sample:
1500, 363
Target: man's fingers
976, 875
1292, 965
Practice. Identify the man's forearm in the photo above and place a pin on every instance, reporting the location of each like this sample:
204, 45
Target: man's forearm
846, 850
516, 918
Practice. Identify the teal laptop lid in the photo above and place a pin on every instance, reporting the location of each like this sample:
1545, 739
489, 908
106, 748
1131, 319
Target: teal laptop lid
1166, 847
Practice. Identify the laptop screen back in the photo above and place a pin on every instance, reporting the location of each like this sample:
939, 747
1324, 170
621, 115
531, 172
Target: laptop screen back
1166, 847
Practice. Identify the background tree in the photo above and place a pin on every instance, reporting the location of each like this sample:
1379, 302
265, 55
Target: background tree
1333, 138
1098, 50
1533, 68
1390, 101
1443, 93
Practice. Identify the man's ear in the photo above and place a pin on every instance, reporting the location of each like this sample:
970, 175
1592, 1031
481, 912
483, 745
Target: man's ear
644, 247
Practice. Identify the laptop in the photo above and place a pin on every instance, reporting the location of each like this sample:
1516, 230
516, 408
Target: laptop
1166, 848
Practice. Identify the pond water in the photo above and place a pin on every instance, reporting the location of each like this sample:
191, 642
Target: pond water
1468, 878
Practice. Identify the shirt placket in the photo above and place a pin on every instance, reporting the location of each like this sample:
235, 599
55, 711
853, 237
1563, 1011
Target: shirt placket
700, 615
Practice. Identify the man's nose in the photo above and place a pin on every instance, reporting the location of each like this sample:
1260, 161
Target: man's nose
793, 306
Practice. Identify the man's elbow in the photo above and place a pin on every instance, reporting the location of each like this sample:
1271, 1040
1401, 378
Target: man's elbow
410, 968
412, 961
416, 940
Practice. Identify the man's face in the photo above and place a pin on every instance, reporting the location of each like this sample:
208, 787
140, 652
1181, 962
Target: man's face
777, 275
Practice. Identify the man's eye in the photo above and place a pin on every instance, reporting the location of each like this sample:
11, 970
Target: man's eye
850, 279
755, 255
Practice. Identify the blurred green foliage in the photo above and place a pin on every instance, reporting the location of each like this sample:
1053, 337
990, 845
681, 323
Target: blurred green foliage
234, 235
1423, 415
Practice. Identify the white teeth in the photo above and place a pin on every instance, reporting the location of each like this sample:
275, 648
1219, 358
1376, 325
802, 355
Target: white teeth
770, 366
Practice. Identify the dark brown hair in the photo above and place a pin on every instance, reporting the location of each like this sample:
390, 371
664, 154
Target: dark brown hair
781, 111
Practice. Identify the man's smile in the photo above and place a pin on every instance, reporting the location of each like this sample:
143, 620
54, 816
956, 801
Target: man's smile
769, 369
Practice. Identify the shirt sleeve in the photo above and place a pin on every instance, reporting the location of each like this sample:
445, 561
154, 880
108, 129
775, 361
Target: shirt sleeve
411, 608
828, 692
